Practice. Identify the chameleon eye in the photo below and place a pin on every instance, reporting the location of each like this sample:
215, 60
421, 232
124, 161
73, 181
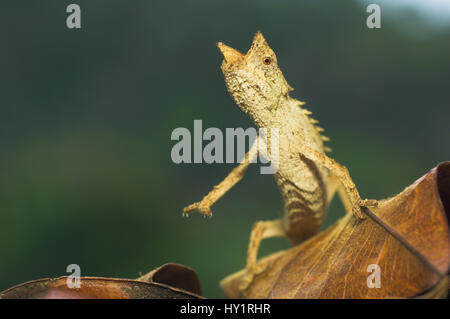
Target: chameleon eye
267, 60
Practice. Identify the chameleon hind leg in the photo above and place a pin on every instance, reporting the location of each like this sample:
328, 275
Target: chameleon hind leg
261, 230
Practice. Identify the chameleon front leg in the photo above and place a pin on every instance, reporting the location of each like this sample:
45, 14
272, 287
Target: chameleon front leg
204, 206
347, 190
333, 186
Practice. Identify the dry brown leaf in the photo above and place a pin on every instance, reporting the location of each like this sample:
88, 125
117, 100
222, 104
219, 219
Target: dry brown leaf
407, 236
170, 281
174, 275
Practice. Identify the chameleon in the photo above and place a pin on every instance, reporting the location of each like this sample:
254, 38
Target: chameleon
307, 178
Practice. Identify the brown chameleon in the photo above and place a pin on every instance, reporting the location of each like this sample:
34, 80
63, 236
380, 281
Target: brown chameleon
306, 176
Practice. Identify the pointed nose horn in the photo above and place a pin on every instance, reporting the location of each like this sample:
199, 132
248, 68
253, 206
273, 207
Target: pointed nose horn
232, 56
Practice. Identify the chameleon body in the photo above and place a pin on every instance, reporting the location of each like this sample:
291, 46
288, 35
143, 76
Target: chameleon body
259, 88
307, 178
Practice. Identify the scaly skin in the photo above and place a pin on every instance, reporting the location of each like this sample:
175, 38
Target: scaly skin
306, 177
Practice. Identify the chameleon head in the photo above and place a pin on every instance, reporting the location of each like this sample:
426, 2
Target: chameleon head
254, 79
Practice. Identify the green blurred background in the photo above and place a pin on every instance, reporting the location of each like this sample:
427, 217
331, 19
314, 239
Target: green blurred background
86, 117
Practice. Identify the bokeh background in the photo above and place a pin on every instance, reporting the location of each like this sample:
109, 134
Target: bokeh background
86, 117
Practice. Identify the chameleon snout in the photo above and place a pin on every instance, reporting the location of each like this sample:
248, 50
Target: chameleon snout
232, 56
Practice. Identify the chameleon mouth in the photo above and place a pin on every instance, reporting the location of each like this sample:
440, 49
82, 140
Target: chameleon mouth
232, 56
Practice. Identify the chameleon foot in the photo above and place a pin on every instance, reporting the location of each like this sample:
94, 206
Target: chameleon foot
201, 207
357, 209
368, 202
